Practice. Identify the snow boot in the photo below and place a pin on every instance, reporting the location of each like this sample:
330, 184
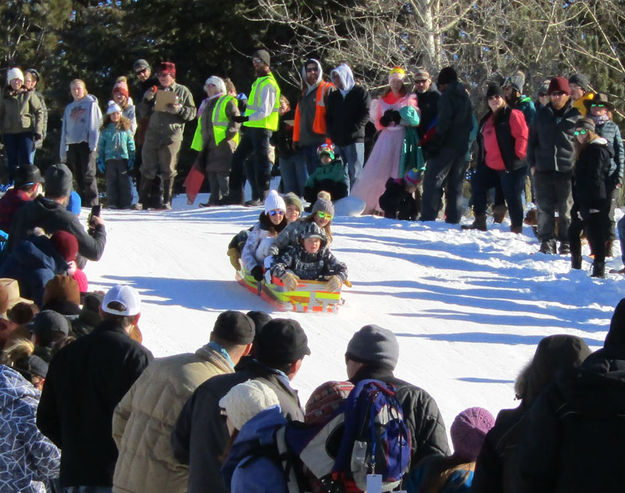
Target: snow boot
565, 248
478, 223
168, 192
609, 249
576, 262
598, 269
531, 218
499, 213
548, 247
517, 229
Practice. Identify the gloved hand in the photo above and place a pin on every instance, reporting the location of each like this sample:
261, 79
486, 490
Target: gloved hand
257, 273
101, 166
290, 281
240, 119
150, 93
334, 283
234, 255
386, 118
395, 116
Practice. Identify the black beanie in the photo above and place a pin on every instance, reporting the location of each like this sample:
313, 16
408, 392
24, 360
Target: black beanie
494, 90
446, 76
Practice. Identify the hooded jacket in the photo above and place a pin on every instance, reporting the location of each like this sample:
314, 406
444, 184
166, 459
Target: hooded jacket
577, 427
27, 457
497, 466
81, 123
610, 132
550, 144
145, 417
347, 109
21, 111
245, 472
310, 113
259, 241
52, 217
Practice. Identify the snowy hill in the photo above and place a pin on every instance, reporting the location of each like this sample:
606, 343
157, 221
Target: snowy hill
468, 307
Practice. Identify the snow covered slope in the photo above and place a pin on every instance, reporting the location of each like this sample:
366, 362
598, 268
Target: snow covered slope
468, 307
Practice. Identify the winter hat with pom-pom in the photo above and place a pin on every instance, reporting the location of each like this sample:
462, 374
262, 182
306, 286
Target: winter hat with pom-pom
273, 202
15, 73
468, 432
113, 107
323, 205
121, 86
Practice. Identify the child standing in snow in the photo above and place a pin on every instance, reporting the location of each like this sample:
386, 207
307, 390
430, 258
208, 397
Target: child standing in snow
270, 223
328, 176
591, 193
116, 156
309, 260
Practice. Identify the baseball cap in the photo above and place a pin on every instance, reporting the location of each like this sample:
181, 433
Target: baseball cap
126, 296
46, 324
235, 327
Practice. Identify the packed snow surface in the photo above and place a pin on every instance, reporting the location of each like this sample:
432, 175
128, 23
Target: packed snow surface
468, 307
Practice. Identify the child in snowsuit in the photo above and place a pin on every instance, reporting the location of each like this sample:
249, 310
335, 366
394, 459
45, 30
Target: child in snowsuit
116, 156
310, 260
328, 176
263, 234
591, 194
398, 201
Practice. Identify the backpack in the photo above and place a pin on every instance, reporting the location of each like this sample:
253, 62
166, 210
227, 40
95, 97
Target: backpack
367, 434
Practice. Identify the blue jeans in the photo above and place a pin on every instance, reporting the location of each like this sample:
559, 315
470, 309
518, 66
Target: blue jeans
88, 489
294, 173
353, 156
255, 144
511, 185
310, 156
18, 148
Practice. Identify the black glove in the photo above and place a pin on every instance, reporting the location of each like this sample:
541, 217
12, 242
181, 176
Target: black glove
396, 117
240, 119
257, 273
385, 121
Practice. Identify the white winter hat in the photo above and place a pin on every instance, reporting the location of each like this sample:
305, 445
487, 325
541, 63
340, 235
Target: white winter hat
246, 400
218, 82
113, 107
15, 73
122, 300
274, 201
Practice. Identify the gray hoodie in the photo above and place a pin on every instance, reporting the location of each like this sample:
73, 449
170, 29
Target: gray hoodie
81, 123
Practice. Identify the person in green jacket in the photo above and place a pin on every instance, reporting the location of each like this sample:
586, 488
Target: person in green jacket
328, 176
21, 121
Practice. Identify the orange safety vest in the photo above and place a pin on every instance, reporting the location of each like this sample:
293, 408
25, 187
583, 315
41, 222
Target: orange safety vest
319, 123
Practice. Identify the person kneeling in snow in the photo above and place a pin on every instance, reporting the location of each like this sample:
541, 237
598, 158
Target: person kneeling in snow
310, 260
270, 223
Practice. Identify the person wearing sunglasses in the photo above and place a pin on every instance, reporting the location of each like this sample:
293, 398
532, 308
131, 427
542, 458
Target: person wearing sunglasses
550, 155
600, 111
591, 193
270, 223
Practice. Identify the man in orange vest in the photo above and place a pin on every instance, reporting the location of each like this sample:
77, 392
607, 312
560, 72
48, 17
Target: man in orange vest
309, 130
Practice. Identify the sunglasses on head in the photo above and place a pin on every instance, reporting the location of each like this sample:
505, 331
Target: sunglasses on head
325, 215
276, 212
580, 132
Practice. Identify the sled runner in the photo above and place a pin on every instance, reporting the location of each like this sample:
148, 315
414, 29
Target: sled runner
310, 296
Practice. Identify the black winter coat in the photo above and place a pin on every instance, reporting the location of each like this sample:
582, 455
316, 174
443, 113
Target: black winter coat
346, 117
550, 144
428, 107
576, 430
397, 203
454, 121
85, 381
52, 217
421, 414
592, 186
200, 435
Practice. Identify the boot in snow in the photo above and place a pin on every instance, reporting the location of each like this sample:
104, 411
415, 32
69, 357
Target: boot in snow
478, 223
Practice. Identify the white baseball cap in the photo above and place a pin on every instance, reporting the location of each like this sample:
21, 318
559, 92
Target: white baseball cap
126, 296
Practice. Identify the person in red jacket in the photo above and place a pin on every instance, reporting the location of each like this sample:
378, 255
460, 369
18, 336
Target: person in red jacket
27, 186
502, 140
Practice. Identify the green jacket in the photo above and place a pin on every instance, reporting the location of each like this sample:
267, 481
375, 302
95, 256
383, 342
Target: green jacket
165, 127
334, 171
116, 144
21, 112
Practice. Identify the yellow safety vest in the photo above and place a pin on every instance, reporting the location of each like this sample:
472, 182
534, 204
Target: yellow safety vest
220, 120
253, 104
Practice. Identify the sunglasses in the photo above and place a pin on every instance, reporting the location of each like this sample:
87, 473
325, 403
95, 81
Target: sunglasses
597, 105
580, 132
325, 215
276, 212
139, 72
557, 93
